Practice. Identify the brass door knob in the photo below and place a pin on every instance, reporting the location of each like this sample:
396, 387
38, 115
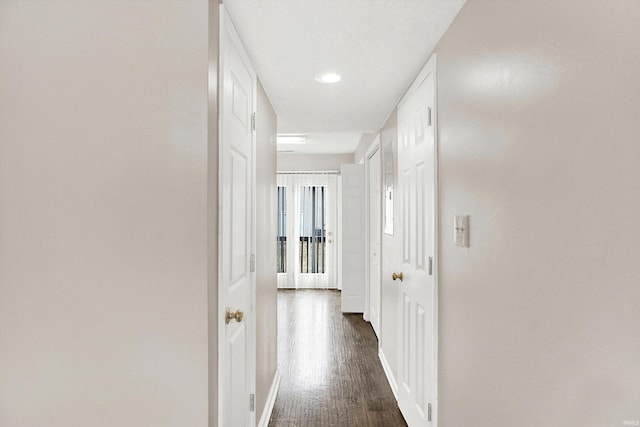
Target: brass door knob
238, 315
396, 276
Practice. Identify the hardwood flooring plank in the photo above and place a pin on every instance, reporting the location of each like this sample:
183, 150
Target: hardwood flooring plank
330, 371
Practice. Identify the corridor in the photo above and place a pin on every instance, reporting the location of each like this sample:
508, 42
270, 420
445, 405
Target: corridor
331, 374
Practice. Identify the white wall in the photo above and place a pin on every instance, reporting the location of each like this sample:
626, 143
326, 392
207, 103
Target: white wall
366, 141
539, 130
290, 162
266, 235
103, 213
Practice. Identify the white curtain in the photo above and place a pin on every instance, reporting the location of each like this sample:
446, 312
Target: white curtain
310, 246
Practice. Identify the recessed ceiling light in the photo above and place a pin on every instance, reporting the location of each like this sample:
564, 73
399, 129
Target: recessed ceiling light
328, 78
291, 139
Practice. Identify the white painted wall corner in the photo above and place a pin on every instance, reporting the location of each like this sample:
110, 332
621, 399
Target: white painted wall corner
271, 400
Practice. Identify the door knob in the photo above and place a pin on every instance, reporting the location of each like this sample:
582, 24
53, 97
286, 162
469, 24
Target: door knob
238, 315
395, 276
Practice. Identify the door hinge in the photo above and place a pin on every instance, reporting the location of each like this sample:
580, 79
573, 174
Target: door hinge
252, 402
430, 266
428, 116
253, 121
252, 263
428, 412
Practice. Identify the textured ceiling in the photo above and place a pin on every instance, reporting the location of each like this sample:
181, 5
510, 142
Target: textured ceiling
377, 46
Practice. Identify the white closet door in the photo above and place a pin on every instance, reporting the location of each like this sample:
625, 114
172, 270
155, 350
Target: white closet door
417, 311
236, 347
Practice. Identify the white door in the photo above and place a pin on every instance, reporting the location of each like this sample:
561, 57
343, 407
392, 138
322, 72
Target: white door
375, 208
417, 296
354, 237
236, 230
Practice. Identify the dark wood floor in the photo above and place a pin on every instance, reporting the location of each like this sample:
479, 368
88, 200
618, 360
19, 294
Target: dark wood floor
331, 374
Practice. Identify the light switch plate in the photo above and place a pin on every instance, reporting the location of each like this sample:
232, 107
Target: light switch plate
461, 230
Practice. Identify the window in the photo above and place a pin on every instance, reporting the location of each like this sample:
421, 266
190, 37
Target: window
312, 229
282, 230
307, 212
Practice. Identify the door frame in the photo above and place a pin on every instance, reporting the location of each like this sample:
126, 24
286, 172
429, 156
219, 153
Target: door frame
228, 29
373, 148
430, 68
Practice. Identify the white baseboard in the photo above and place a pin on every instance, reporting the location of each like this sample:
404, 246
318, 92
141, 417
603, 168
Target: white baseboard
387, 370
271, 400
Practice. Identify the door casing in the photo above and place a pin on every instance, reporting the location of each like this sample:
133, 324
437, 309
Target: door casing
374, 284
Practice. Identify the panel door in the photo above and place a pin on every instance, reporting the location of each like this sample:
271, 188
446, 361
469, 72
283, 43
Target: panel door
236, 230
417, 296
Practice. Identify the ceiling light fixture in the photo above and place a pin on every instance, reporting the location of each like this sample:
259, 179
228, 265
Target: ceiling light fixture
292, 139
328, 78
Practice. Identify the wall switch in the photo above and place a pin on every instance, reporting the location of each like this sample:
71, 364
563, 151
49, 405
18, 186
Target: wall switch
461, 230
